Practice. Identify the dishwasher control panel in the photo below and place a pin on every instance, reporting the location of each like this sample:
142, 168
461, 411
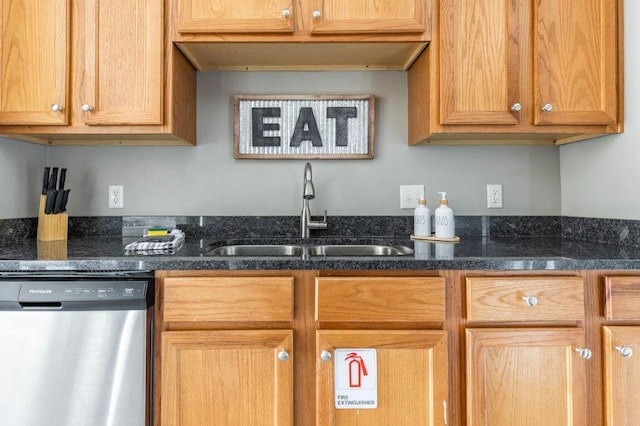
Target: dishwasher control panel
70, 291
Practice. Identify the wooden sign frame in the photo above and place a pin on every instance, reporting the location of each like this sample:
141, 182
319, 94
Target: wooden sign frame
304, 127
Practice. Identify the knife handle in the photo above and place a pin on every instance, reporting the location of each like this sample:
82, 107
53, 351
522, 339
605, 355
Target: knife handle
45, 181
53, 179
63, 176
57, 207
51, 201
65, 198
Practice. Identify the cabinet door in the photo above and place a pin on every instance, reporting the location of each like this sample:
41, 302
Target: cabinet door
412, 377
575, 62
480, 54
226, 378
621, 372
233, 16
525, 377
366, 16
34, 67
124, 62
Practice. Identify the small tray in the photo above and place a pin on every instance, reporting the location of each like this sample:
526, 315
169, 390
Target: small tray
454, 239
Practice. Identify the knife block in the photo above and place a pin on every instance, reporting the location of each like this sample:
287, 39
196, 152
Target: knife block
51, 227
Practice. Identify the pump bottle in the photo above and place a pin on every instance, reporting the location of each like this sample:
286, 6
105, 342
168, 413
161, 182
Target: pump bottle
444, 221
422, 219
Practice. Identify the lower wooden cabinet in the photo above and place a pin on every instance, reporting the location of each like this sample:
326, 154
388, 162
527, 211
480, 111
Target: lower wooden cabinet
622, 375
227, 377
526, 377
475, 348
411, 377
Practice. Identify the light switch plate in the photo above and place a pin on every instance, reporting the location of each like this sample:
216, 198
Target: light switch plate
409, 196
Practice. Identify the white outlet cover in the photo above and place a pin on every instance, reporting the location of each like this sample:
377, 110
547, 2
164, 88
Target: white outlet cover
494, 196
116, 197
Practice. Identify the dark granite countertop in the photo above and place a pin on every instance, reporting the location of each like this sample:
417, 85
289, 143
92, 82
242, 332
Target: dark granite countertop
494, 253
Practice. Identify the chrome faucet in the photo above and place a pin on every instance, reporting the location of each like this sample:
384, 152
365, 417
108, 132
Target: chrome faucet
309, 193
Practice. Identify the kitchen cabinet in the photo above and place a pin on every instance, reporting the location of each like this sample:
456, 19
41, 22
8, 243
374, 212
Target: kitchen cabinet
528, 374
234, 345
316, 34
621, 346
356, 313
100, 72
226, 354
522, 71
452, 347
29, 90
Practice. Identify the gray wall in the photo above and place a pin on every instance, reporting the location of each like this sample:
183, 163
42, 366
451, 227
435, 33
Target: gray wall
206, 180
601, 177
20, 178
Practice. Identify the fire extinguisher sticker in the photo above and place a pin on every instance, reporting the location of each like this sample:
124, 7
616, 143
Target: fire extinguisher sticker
356, 378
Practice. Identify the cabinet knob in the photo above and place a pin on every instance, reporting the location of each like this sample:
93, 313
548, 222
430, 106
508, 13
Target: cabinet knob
531, 300
516, 107
584, 353
316, 14
325, 355
283, 355
625, 351
286, 13
56, 108
547, 107
86, 107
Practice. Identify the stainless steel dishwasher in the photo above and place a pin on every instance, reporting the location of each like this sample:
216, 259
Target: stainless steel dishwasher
75, 349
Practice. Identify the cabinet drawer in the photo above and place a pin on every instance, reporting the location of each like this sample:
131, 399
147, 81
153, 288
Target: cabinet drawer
507, 299
622, 298
223, 299
380, 299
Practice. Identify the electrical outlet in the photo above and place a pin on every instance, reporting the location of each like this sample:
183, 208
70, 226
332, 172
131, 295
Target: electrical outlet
409, 196
116, 196
494, 196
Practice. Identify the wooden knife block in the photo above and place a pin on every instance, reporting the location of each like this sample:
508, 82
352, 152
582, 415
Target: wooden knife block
51, 227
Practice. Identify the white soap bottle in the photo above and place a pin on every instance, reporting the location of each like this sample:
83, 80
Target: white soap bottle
422, 219
445, 225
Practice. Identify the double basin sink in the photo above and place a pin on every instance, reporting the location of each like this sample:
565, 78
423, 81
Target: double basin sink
304, 250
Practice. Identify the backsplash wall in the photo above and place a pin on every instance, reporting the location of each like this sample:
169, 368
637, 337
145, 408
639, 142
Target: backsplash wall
206, 180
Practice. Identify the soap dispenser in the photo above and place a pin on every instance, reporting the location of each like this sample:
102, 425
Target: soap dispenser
445, 225
422, 219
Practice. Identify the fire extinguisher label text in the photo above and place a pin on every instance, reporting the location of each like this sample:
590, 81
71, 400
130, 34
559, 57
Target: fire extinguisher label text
356, 378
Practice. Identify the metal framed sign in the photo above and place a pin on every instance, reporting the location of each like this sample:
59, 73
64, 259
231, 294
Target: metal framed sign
305, 126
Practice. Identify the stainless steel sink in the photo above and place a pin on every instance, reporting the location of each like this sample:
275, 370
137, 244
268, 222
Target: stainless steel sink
325, 250
250, 250
359, 250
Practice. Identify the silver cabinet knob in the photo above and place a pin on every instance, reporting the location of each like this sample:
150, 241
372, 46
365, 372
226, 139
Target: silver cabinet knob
56, 108
531, 300
325, 355
286, 13
86, 107
316, 14
547, 107
283, 355
516, 107
625, 351
584, 353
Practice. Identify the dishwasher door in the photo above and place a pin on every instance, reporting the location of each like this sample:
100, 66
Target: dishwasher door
82, 361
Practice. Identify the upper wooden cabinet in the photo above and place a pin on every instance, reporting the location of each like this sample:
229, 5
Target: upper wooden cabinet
31, 92
548, 71
366, 16
100, 71
231, 16
314, 34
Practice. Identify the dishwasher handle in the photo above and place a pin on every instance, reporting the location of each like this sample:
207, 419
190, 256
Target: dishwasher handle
39, 306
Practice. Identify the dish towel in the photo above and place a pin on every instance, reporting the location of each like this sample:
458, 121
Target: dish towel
162, 244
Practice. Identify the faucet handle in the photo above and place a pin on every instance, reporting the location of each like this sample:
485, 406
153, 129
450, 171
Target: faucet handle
324, 220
